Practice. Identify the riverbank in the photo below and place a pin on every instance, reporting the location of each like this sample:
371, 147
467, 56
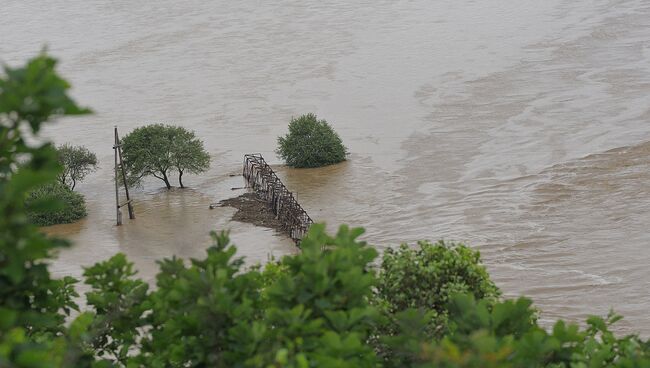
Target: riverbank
252, 209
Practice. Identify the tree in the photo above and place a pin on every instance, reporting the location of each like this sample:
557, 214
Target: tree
188, 154
311, 143
77, 162
157, 149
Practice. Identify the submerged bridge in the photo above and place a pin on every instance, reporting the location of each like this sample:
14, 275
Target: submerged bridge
263, 180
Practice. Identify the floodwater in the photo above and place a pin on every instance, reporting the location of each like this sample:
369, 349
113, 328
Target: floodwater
519, 127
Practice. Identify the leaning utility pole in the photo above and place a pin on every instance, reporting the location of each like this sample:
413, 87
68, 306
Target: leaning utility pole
118, 155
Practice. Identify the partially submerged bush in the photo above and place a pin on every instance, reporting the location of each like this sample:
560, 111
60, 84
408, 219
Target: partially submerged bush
311, 143
72, 206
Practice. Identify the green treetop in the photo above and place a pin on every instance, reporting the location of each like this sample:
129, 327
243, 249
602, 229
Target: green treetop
311, 143
157, 150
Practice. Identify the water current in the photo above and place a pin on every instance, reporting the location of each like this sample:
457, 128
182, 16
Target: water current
519, 127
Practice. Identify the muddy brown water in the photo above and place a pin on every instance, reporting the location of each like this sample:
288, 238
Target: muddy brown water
521, 128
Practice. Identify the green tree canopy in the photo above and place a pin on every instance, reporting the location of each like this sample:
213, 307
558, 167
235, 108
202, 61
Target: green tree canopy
311, 143
188, 154
157, 150
77, 162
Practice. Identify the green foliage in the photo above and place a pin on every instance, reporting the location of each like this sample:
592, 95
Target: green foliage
428, 276
33, 305
118, 303
318, 312
311, 143
424, 280
72, 206
157, 149
313, 311
77, 162
188, 154
200, 316
505, 334
56, 202
273, 270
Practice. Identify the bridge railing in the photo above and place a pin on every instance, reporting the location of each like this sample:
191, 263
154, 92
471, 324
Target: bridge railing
263, 180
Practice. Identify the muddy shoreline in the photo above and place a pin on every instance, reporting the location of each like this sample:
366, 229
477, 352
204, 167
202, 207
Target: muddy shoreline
252, 209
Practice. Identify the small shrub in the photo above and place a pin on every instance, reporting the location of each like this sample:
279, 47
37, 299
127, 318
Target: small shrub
311, 143
72, 206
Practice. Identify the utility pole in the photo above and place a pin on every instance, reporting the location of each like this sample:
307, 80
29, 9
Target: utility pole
118, 155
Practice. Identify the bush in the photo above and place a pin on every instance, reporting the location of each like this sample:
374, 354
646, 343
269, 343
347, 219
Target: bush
311, 143
72, 206
426, 279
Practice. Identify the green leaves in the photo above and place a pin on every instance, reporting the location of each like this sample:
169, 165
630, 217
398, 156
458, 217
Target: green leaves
505, 334
318, 310
426, 278
157, 149
77, 162
311, 143
201, 314
34, 305
54, 203
119, 303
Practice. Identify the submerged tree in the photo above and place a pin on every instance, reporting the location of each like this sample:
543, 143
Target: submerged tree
188, 154
311, 143
156, 150
77, 162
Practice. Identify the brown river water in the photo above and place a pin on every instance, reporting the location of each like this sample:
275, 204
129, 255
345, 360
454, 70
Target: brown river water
519, 127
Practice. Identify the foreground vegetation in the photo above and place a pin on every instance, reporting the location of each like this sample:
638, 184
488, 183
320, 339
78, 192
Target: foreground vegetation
328, 306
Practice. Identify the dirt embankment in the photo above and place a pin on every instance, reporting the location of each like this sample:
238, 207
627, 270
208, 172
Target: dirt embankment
253, 210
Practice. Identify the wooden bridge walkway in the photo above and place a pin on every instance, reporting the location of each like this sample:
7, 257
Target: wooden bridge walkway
263, 180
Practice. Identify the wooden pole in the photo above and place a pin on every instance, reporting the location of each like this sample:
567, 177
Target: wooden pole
126, 185
117, 193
